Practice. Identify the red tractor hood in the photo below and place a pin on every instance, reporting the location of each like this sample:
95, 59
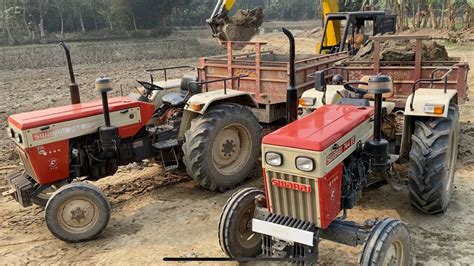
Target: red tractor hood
320, 129
76, 111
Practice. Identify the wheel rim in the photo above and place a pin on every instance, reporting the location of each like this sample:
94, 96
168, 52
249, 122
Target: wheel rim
231, 149
78, 215
395, 254
452, 156
246, 237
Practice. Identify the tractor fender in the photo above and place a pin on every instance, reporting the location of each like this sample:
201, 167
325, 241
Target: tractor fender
332, 96
425, 97
422, 98
199, 103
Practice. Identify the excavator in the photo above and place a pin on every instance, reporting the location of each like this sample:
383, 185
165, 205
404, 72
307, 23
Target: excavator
243, 26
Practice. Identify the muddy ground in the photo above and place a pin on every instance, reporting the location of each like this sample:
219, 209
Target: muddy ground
157, 215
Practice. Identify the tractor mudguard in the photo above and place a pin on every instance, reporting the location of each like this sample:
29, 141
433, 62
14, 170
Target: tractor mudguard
423, 97
429, 97
332, 96
199, 103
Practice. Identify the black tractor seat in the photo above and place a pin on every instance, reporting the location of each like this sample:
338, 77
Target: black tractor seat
174, 99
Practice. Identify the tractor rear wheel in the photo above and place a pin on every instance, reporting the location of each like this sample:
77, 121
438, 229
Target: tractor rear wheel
222, 146
433, 158
77, 212
387, 244
236, 237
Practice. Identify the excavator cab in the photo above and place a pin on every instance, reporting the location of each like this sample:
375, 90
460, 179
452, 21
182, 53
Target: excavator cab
358, 26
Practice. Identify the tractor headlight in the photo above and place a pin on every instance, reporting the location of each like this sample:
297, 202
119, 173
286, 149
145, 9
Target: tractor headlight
304, 164
18, 138
10, 132
273, 158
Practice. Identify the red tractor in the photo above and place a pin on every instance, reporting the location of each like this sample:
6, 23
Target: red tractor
212, 132
315, 168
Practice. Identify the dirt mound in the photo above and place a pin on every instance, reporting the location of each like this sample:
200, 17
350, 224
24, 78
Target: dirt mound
402, 50
243, 25
466, 143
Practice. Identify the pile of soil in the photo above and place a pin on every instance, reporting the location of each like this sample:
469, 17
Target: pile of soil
244, 24
402, 50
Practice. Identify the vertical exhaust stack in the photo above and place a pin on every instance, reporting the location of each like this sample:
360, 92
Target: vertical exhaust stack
73, 87
291, 92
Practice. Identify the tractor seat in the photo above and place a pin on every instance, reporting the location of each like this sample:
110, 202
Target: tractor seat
174, 99
371, 96
186, 86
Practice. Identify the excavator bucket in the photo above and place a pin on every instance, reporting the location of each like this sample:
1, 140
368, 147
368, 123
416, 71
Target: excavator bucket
240, 27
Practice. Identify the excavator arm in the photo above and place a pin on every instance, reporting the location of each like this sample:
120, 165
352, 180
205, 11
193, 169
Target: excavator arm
333, 30
240, 27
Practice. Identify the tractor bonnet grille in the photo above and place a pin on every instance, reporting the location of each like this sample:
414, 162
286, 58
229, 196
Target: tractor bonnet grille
295, 202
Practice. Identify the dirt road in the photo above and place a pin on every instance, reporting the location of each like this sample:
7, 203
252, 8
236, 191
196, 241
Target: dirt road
157, 215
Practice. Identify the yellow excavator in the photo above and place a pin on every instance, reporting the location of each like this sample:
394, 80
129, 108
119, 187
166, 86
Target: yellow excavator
246, 23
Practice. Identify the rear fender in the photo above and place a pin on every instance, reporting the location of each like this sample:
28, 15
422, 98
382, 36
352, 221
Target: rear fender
199, 103
332, 96
423, 97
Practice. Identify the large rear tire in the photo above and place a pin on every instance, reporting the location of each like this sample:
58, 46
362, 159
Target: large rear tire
388, 244
433, 158
77, 212
236, 237
222, 146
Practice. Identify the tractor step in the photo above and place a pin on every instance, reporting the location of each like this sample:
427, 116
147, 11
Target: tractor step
166, 144
167, 150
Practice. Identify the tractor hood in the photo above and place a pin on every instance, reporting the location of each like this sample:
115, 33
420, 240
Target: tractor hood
65, 113
320, 129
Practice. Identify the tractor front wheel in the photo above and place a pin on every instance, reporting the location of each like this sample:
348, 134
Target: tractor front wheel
77, 212
222, 146
433, 158
236, 237
387, 244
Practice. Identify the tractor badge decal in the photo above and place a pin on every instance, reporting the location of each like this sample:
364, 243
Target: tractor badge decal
340, 150
291, 185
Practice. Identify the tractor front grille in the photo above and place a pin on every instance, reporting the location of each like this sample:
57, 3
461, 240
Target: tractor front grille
290, 202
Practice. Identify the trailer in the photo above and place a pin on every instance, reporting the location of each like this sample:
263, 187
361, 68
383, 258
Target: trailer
265, 74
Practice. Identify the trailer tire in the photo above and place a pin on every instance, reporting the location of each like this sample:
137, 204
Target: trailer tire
387, 244
235, 236
222, 146
77, 212
433, 157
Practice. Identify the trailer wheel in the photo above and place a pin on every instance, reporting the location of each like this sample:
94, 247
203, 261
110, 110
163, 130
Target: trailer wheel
222, 146
77, 212
235, 225
387, 244
433, 157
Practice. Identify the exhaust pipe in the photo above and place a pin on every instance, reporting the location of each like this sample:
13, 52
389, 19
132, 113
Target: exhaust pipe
73, 87
291, 92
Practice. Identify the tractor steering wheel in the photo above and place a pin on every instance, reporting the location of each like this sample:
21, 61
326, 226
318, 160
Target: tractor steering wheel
150, 86
358, 91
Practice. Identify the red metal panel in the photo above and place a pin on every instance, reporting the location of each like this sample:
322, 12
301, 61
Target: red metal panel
320, 129
71, 112
49, 162
329, 188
